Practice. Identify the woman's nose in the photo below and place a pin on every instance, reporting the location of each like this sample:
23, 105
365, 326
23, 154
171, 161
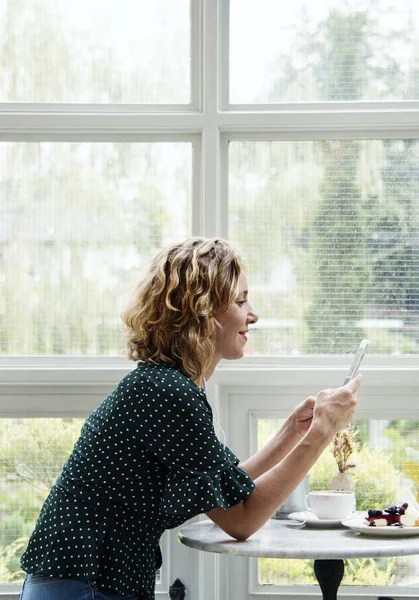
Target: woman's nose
252, 316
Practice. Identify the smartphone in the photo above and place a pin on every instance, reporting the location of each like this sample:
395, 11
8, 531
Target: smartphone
359, 355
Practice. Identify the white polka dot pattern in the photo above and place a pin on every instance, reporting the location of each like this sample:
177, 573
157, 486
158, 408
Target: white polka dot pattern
147, 460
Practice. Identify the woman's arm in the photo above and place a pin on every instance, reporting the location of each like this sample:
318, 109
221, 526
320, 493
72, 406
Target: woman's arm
294, 428
333, 410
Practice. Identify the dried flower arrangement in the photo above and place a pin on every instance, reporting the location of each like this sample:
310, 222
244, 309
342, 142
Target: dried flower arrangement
344, 444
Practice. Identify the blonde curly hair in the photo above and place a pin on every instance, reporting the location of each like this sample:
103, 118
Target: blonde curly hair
171, 318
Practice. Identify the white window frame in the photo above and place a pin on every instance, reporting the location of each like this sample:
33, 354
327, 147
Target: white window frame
63, 386
244, 392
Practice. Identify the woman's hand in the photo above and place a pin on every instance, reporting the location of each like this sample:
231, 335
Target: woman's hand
334, 408
302, 416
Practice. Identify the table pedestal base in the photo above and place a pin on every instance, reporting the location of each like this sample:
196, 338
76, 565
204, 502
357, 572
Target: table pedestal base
329, 574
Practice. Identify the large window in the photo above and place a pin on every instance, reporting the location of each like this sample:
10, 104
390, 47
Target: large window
95, 52
292, 129
330, 232
78, 223
323, 51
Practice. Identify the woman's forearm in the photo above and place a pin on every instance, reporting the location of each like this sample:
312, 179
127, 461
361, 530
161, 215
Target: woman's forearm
332, 411
273, 452
273, 487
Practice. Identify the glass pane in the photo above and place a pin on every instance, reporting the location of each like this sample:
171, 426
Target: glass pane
99, 51
386, 472
32, 454
78, 221
329, 231
325, 50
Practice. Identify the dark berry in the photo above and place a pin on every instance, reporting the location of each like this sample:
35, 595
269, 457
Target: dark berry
402, 508
396, 525
372, 524
375, 513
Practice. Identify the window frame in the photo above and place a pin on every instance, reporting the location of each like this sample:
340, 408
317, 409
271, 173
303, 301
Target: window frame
242, 394
73, 386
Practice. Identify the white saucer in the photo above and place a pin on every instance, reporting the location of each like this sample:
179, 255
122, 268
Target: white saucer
310, 520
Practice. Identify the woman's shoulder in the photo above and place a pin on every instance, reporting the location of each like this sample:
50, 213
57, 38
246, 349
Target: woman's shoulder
160, 378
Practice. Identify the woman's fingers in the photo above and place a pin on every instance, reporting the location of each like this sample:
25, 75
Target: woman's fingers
354, 383
336, 407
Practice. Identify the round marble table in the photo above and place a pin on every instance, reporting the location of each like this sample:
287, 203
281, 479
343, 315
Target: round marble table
286, 539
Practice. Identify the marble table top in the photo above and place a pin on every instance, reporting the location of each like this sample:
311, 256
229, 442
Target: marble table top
286, 539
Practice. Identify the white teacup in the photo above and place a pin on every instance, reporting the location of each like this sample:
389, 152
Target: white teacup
331, 504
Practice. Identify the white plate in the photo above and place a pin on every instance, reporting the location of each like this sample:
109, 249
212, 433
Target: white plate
360, 527
310, 519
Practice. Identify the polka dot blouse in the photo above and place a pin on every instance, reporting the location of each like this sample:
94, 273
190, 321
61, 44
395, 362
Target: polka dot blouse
147, 460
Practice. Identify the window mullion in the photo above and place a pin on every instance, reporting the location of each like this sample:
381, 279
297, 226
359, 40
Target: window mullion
224, 79
211, 156
197, 29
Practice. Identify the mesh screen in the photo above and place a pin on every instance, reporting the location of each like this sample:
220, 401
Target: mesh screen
329, 231
78, 223
328, 50
99, 51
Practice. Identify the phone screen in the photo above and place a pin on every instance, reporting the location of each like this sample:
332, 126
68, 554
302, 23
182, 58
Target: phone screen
359, 355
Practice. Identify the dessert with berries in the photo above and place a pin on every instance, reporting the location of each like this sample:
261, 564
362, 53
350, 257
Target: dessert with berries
394, 516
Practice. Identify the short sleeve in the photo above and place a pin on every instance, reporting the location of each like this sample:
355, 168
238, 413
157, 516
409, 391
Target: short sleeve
191, 494
174, 422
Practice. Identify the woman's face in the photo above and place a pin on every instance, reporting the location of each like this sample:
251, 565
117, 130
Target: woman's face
231, 338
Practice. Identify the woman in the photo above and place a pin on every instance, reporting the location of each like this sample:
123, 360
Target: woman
148, 459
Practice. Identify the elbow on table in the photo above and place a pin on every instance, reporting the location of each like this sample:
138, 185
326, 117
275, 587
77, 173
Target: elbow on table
234, 521
241, 537
239, 532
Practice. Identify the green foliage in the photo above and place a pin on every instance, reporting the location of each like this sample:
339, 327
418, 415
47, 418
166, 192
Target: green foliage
341, 273
8, 573
32, 454
267, 428
392, 342
368, 571
375, 478
322, 473
34, 450
377, 481
363, 571
402, 434
351, 237
13, 525
276, 571
338, 58
394, 252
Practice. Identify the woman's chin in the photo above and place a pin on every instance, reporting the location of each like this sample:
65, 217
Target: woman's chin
237, 355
